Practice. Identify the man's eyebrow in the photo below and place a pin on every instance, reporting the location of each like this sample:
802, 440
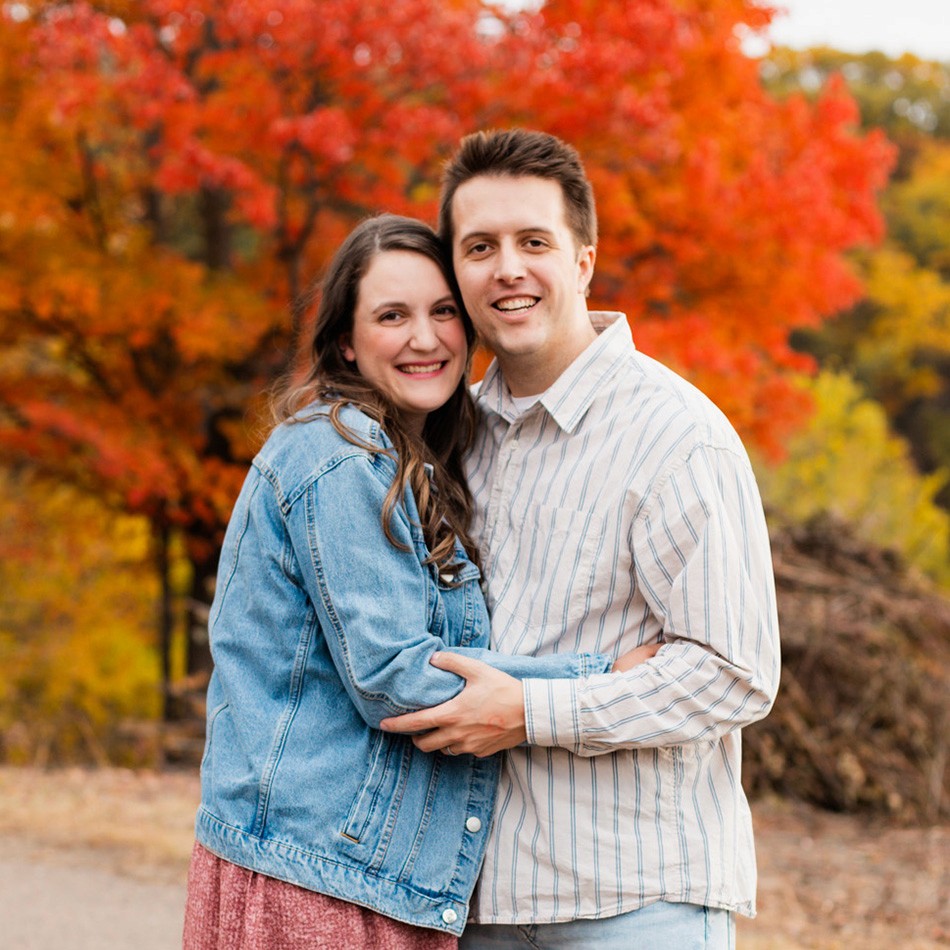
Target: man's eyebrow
484, 235
472, 235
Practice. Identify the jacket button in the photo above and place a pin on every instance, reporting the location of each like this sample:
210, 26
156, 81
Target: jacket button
449, 915
473, 823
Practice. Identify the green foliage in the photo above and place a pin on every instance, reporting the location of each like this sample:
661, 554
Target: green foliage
77, 601
905, 96
848, 464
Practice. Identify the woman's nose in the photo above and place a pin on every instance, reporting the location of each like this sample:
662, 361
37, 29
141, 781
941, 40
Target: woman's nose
423, 334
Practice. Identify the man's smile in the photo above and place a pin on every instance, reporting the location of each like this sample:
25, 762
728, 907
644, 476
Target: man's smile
515, 304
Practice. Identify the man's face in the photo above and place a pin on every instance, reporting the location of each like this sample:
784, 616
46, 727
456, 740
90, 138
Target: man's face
522, 276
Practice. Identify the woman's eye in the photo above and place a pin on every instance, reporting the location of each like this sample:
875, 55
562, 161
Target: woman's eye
390, 316
446, 311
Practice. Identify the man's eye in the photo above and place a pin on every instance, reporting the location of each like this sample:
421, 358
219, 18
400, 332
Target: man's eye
480, 248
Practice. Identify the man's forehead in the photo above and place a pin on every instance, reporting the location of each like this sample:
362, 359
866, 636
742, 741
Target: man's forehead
496, 202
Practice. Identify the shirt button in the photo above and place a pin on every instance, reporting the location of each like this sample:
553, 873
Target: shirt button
473, 823
449, 916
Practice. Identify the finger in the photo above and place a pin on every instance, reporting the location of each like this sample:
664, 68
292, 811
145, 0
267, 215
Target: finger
433, 742
463, 666
420, 721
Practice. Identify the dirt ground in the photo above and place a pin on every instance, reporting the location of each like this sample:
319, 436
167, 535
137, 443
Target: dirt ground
825, 881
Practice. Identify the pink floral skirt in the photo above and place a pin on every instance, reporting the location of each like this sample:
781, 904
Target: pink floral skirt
231, 908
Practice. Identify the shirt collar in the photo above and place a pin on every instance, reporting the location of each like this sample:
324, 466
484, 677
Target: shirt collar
571, 394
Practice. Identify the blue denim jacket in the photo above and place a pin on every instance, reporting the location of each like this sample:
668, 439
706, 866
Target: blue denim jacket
320, 628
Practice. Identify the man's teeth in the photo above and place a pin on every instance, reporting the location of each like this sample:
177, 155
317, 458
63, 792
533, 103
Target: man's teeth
421, 368
516, 303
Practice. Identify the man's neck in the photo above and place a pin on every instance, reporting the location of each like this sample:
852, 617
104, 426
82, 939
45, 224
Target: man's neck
529, 375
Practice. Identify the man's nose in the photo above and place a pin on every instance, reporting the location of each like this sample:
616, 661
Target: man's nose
508, 264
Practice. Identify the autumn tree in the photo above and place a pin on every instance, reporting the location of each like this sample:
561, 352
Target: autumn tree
847, 463
724, 211
76, 645
173, 173
896, 340
907, 97
177, 170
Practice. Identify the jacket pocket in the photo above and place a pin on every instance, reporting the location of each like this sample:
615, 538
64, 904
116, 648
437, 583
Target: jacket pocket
375, 794
212, 720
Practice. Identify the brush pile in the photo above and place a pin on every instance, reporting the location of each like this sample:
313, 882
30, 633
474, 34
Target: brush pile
862, 720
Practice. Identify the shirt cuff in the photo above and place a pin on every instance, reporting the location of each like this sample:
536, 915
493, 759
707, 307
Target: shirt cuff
551, 713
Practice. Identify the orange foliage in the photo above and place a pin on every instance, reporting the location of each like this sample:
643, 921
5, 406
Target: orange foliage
175, 170
724, 213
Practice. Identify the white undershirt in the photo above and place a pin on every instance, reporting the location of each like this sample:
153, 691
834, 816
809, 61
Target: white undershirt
523, 403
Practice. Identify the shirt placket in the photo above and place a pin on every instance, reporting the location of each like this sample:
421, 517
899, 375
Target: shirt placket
502, 488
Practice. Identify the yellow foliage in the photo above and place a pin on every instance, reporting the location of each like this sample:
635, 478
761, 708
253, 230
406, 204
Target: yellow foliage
918, 209
846, 462
77, 608
911, 320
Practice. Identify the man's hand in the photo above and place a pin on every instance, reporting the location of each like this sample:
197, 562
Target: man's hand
486, 717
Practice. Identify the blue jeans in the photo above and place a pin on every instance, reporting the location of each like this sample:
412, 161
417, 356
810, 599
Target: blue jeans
659, 926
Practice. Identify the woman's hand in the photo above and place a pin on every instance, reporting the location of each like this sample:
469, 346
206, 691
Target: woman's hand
627, 661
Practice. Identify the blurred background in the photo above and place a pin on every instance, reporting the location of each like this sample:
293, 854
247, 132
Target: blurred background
773, 188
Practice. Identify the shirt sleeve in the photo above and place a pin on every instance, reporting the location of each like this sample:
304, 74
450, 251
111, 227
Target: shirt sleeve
372, 599
702, 562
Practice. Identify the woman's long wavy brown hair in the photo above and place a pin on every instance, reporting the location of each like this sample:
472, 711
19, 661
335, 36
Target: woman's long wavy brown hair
444, 503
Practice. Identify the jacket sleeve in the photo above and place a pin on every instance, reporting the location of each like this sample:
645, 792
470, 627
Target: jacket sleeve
372, 599
702, 560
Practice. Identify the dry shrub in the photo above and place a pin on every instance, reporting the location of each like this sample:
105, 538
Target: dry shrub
861, 720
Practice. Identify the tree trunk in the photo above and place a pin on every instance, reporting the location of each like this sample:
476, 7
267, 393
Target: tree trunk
165, 611
198, 606
217, 232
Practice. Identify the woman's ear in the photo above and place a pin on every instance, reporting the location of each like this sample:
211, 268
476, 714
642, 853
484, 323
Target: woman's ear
346, 347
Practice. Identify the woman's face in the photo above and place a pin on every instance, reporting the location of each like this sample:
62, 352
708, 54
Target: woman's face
408, 339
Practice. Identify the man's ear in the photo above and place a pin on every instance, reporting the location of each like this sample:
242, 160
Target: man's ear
586, 255
346, 347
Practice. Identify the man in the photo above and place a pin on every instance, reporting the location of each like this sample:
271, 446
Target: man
616, 508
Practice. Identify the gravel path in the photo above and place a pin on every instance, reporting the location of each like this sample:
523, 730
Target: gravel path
97, 860
64, 900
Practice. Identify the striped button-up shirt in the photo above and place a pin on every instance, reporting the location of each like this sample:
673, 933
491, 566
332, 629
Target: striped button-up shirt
621, 509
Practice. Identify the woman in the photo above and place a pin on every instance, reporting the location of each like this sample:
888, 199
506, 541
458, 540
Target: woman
347, 563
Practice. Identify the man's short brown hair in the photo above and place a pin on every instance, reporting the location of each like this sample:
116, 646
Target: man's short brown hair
522, 153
